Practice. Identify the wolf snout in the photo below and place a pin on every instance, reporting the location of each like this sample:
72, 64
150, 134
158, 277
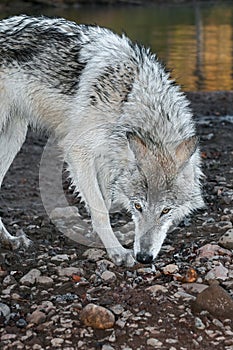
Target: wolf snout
144, 258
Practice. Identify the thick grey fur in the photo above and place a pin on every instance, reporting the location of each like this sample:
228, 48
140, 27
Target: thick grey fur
126, 129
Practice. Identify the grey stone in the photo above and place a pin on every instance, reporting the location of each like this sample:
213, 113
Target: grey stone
4, 310
30, 278
226, 240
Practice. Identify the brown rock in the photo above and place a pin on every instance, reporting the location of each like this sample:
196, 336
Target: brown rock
216, 301
36, 317
97, 317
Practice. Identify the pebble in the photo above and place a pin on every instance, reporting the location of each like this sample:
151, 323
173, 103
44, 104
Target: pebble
108, 276
210, 250
97, 317
21, 323
4, 310
154, 342
59, 258
57, 342
69, 271
30, 278
45, 281
117, 309
199, 324
8, 336
93, 254
219, 272
36, 317
170, 269
226, 240
194, 287
215, 300
107, 347
156, 288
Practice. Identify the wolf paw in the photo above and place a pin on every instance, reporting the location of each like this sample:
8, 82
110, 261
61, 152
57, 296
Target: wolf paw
122, 257
16, 242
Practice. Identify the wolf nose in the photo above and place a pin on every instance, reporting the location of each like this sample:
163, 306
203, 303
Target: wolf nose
144, 258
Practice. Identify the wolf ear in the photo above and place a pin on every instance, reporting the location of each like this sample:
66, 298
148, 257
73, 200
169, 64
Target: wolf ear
185, 150
137, 146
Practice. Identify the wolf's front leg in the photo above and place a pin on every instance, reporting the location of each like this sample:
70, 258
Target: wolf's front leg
84, 174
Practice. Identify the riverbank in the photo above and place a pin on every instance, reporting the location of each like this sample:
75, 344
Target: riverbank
152, 307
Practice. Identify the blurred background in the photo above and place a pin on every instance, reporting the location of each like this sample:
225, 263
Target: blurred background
194, 39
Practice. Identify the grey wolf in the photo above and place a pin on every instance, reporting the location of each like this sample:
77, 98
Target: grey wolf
125, 128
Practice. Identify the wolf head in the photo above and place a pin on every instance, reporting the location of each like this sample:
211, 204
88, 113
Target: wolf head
159, 187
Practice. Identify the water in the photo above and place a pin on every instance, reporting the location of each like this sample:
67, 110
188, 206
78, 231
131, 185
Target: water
194, 41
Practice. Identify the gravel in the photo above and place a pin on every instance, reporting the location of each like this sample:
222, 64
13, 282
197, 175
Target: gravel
182, 301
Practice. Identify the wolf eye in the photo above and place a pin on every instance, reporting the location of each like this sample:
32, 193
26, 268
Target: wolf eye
165, 211
138, 206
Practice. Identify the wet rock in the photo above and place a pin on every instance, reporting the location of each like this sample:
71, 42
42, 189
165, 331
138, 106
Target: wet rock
36, 317
8, 337
59, 258
156, 288
194, 287
4, 310
107, 347
170, 269
108, 276
154, 342
216, 301
21, 323
218, 272
94, 254
8, 280
30, 278
199, 324
208, 251
45, 281
226, 240
117, 309
69, 271
97, 317
224, 225
57, 342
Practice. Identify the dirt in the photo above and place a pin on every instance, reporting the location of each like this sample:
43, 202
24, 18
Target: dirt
165, 317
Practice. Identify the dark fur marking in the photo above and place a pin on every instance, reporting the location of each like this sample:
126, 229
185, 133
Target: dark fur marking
36, 49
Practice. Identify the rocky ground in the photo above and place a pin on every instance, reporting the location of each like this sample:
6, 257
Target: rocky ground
60, 295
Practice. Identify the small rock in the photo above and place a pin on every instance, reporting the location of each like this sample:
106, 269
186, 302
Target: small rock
45, 281
224, 225
97, 317
36, 317
218, 272
107, 347
194, 287
59, 258
57, 342
21, 323
117, 309
4, 310
226, 240
210, 250
8, 280
94, 254
108, 276
69, 271
170, 269
30, 278
156, 288
8, 336
216, 301
199, 324
154, 342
